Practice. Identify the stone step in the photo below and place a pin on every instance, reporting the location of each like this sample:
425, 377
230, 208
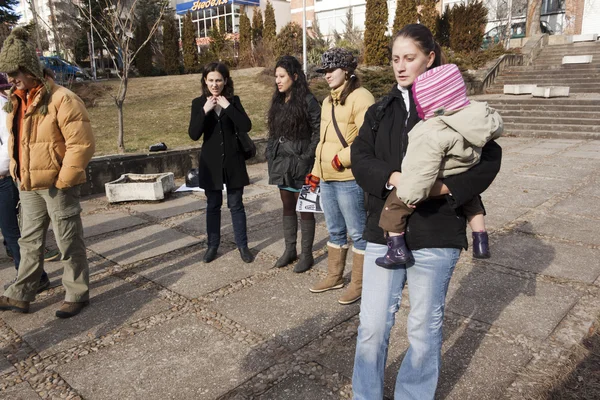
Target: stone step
573, 68
554, 74
545, 81
549, 125
558, 61
584, 123
546, 108
577, 46
573, 89
550, 134
528, 100
535, 114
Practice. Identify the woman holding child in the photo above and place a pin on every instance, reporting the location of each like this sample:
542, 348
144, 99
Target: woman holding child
435, 231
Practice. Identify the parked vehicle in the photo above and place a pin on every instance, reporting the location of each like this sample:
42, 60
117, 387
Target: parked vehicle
517, 31
64, 71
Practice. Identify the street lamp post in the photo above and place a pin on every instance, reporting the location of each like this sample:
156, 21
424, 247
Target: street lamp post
92, 55
304, 56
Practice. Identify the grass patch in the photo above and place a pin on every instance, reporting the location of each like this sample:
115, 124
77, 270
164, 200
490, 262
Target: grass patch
157, 109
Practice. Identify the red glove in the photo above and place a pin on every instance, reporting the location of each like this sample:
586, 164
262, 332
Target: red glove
313, 181
337, 164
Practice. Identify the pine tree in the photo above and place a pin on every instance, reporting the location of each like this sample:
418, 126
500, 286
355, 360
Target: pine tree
143, 61
466, 26
257, 26
270, 25
429, 15
190, 49
442, 35
171, 45
406, 13
7, 12
376, 43
245, 40
289, 41
218, 40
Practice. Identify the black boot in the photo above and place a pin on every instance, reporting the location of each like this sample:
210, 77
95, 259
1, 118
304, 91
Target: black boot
246, 254
211, 254
290, 233
306, 261
397, 254
481, 247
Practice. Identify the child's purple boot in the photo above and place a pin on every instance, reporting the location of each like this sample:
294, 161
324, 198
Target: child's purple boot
397, 254
481, 247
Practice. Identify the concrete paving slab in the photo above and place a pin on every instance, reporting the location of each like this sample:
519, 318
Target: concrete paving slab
190, 277
528, 253
298, 386
531, 182
113, 303
176, 204
54, 269
296, 316
498, 216
519, 198
515, 304
580, 205
108, 221
269, 238
22, 391
5, 367
140, 244
568, 227
552, 170
591, 190
543, 151
580, 153
181, 359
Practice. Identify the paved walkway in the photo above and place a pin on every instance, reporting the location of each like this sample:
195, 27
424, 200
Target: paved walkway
163, 325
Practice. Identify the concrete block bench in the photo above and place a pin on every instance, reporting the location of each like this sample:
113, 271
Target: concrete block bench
131, 187
551, 91
588, 37
587, 59
519, 89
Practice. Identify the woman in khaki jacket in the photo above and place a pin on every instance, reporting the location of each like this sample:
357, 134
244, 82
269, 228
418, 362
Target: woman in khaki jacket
342, 115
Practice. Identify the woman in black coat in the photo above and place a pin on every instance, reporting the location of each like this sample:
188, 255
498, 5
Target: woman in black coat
219, 115
294, 125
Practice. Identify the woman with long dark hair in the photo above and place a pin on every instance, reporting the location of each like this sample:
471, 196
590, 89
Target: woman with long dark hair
294, 119
343, 114
435, 233
218, 115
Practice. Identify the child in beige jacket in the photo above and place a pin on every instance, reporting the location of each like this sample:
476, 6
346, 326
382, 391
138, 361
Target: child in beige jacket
446, 142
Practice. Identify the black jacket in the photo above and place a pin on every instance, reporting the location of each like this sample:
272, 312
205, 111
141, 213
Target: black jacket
221, 159
291, 160
436, 222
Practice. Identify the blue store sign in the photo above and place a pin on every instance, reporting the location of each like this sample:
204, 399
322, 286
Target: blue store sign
204, 4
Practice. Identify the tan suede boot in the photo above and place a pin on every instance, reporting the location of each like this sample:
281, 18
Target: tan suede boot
354, 289
336, 261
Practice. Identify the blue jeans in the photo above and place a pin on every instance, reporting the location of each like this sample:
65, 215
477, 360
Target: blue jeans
214, 201
345, 215
428, 278
9, 224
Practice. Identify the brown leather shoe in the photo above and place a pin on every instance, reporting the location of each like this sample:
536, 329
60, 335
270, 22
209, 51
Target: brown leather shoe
6, 303
68, 309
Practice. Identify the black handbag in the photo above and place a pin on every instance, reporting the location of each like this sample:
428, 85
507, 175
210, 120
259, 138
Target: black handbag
246, 145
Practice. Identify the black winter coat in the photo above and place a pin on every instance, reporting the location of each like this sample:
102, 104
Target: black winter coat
290, 161
221, 159
436, 222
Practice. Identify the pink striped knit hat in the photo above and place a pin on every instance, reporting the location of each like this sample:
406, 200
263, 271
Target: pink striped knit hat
439, 90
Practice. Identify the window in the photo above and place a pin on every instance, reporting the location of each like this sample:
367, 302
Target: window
552, 6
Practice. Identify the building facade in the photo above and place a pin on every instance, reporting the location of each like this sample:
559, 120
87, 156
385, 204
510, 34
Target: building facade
331, 14
208, 14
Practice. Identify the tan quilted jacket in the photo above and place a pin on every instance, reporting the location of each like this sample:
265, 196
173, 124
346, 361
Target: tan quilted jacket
55, 148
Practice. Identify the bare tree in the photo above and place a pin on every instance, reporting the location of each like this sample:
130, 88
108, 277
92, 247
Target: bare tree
116, 30
533, 17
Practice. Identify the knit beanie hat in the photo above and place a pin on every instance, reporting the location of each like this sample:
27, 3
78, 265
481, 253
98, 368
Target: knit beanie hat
17, 52
439, 90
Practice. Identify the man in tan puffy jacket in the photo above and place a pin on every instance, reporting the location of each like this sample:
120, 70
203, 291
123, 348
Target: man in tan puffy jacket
50, 145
